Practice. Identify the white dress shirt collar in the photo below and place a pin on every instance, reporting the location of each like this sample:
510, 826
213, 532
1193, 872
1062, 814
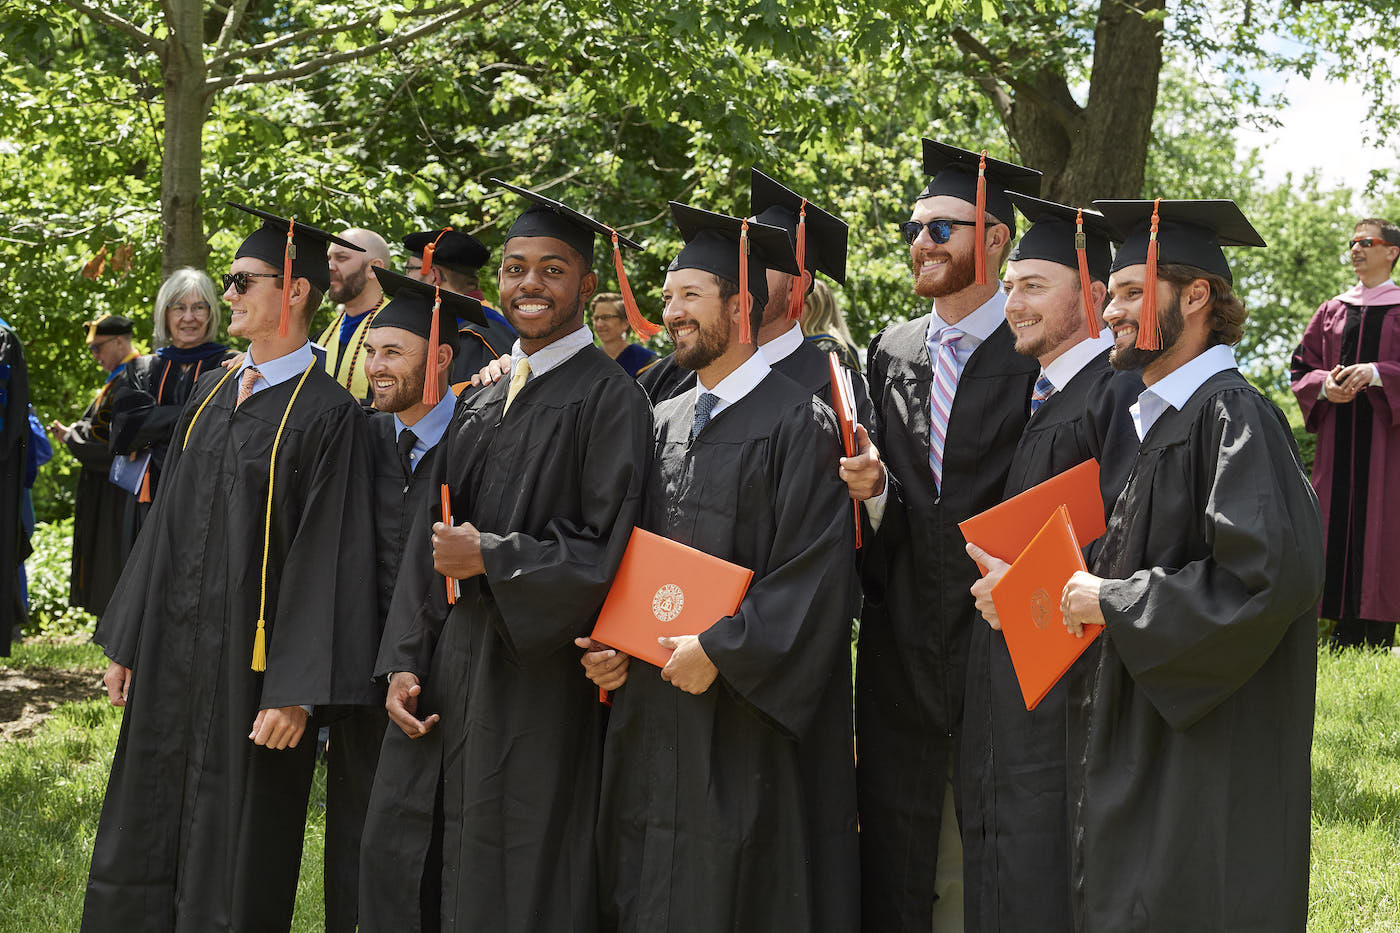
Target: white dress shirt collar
1176, 387
556, 353
784, 345
1068, 364
737, 384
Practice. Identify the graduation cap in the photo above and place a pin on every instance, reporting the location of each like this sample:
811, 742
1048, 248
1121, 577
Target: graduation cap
298, 248
108, 325
978, 180
417, 307
1188, 233
1070, 236
451, 249
723, 245
819, 238
548, 217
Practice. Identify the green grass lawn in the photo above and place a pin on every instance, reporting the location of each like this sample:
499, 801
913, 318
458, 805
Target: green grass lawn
51, 788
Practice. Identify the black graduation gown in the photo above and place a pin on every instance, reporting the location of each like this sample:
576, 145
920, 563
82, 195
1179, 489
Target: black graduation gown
665, 379
477, 345
14, 449
353, 753
554, 486
1189, 742
201, 830
918, 614
99, 508
145, 408
735, 809
1015, 822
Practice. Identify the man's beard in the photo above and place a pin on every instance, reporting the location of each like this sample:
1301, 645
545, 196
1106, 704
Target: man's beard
351, 286
1169, 322
710, 345
406, 393
959, 273
1055, 330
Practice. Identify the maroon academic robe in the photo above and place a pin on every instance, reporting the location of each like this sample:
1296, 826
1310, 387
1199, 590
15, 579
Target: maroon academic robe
1358, 447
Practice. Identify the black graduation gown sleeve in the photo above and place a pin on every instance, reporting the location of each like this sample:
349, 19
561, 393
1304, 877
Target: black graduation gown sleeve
14, 447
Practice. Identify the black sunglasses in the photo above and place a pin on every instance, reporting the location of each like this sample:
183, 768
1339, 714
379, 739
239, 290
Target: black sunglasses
939, 230
240, 283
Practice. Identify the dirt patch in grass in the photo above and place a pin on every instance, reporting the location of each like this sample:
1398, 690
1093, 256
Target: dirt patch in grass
29, 695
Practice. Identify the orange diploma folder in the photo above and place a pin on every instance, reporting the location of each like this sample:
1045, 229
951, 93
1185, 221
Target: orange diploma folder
1028, 603
664, 588
1004, 530
843, 403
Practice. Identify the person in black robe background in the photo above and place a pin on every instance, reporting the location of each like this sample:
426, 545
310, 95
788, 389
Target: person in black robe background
205, 810
14, 460
1190, 739
918, 614
152, 390
1015, 822
483, 807
728, 781
100, 505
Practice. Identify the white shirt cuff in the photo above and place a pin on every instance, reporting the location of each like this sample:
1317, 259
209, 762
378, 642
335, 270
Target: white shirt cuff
875, 505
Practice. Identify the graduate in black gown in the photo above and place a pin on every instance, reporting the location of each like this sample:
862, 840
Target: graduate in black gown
1190, 738
728, 780
152, 390
248, 603
483, 808
14, 460
454, 262
1014, 816
413, 402
920, 478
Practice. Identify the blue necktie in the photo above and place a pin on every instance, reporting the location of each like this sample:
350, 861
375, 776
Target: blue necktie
1044, 388
703, 406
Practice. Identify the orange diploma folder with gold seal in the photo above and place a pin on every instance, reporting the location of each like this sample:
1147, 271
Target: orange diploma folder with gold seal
1028, 604
664, 588
1004, 530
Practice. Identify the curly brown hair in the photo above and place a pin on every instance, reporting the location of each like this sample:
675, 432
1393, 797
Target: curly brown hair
1227, 312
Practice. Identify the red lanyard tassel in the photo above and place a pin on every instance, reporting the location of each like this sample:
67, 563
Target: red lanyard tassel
426, 266
646, 329
797, 295
745, 299
980, 256
1081, 247
1149, 330
431, 391
287, 256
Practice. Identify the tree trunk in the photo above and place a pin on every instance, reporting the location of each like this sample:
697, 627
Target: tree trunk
1099, 150
186, 107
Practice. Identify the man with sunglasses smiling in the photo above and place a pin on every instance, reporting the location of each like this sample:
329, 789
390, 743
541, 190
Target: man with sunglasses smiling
1346, 375
246, 611
951, 396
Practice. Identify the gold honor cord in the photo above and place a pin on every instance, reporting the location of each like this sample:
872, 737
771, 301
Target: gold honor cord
259, 662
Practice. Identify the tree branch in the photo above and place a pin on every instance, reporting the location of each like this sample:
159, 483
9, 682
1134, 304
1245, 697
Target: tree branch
310, 66
223, 56
232, 21
111, 20
1001, 71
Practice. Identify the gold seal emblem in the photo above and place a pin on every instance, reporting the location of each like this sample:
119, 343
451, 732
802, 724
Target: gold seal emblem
1040, 608
668, 602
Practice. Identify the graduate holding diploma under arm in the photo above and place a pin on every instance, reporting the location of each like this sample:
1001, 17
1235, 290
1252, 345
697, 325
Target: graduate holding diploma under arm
1189, 738
728, 799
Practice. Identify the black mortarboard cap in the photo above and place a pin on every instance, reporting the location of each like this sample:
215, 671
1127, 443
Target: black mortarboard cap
451, 249
1071, 236
418, 307
778, 206
269, 243
108, 325
954, 172
713, 243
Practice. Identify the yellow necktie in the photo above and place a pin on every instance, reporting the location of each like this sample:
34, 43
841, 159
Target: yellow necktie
518, 375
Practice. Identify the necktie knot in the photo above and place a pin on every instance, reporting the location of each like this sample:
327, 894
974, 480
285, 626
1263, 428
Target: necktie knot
407, 439
703, 406
1044, 388
246, 381
950, 336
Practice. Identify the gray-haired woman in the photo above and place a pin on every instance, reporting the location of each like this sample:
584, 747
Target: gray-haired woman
154, 388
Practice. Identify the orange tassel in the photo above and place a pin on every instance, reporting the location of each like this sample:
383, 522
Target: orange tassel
641, 325
1149, 331
287, 257
1081, 246
447, 520
145, 494
431, 394
745, 299
980, 256
427, 265
797, 295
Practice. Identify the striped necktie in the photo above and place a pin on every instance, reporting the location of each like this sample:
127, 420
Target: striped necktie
245, 384
945, 386
1044, 388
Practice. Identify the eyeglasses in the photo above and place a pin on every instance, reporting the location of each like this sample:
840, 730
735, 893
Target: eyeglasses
199, 309
940, 230
239, 280
608, 317
96, 346
1366, 242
